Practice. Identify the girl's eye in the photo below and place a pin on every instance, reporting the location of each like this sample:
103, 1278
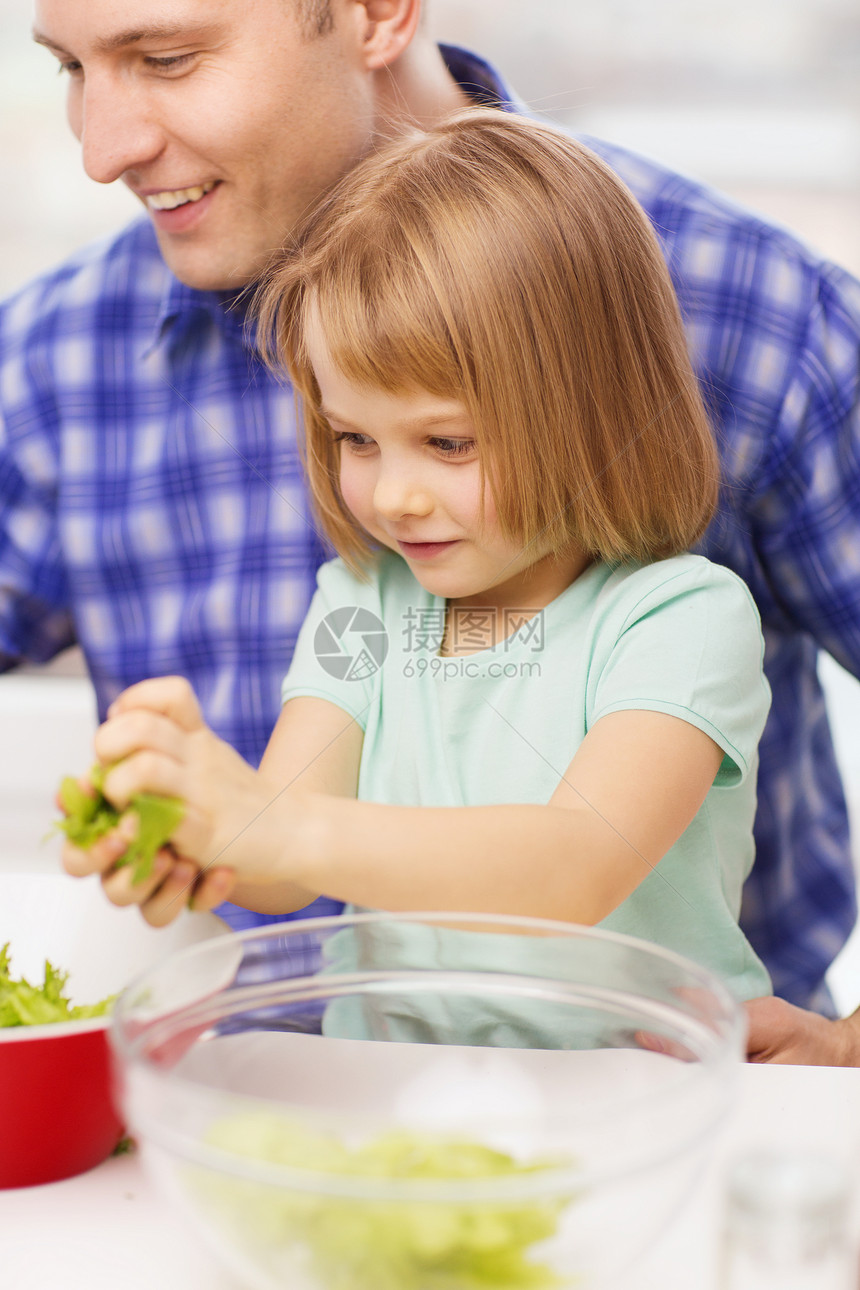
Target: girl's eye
454, 447
353, 440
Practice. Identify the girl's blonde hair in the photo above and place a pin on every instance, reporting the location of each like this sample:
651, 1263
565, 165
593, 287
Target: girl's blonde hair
497, 261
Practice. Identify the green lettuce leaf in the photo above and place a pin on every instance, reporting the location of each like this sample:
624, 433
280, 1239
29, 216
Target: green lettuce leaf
88, 818
23, 1004
355, 1244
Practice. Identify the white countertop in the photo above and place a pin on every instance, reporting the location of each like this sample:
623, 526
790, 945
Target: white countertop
110, 1228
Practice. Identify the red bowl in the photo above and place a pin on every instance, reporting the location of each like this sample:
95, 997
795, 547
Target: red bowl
58, 1112
56, 1090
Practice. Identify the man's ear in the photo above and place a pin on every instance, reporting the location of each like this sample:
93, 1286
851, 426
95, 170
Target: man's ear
388, 28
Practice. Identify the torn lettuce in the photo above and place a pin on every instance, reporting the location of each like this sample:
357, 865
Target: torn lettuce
23, 1004
89, 818
354, 1244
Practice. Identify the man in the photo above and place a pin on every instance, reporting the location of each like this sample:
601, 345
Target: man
150, 489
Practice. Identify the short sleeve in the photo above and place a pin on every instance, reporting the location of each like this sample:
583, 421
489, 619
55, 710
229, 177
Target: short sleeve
342, 644
687, 642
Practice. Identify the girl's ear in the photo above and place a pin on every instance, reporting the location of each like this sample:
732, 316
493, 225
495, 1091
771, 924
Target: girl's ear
387, 29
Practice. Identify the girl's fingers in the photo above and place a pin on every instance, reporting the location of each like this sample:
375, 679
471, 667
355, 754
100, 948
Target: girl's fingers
174, 884
172, 895
172, 696
143, 772
185, 886
132, 731
99, 858
120, 889
212, 888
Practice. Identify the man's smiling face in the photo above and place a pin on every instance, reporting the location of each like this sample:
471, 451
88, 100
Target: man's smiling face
228, 121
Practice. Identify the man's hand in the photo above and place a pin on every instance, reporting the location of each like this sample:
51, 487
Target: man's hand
779, 1032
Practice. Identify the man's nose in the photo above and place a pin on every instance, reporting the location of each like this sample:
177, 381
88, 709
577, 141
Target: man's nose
117, 132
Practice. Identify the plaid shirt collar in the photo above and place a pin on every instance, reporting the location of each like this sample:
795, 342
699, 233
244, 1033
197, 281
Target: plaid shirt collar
181, 304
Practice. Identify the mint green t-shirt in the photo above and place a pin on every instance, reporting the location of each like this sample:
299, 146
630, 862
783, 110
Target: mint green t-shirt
680, 636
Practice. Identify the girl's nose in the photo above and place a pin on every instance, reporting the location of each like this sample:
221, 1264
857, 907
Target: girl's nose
397, 495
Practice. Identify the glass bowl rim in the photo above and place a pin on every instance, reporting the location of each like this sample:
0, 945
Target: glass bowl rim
732, 1015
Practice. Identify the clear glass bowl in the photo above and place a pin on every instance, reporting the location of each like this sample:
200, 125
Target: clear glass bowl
426, 1101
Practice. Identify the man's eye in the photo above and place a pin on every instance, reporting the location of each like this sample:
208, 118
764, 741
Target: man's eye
169, 63
72, 66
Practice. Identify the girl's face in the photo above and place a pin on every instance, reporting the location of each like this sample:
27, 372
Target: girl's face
410, 475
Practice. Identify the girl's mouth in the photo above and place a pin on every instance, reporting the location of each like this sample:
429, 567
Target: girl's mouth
424, 550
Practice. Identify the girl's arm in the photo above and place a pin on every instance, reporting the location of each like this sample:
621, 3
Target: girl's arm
315, 748
633, 787
635, 784
158, 728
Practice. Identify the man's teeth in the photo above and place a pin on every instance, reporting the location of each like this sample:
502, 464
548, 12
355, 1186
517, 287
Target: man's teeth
168, 201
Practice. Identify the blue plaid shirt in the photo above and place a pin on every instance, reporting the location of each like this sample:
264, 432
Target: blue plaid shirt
152, 505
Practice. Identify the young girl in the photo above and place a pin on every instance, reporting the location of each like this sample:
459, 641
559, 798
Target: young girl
514, 691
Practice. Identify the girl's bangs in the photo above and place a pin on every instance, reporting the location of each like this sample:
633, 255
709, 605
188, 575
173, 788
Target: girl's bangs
385, 326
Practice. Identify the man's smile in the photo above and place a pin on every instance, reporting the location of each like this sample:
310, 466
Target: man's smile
170, 198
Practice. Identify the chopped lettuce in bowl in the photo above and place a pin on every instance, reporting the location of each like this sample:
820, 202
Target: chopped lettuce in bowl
348, 1242
23, 1004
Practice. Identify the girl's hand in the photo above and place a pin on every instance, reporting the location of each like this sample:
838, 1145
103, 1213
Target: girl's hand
176, 881
156, 741
156, 732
